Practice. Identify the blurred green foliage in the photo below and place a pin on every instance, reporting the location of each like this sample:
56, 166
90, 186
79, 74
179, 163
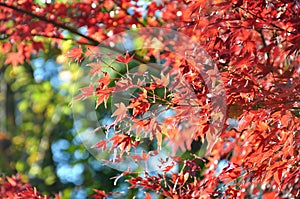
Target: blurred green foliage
36, 132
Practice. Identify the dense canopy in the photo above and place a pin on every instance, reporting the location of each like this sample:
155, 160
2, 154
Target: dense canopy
213, 84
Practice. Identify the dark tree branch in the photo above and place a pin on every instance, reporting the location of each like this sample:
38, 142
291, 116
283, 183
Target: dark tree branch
62, 38
92, 41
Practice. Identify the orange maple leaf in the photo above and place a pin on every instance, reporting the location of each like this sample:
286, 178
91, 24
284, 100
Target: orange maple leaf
14, 58
86, 92
120, 112
103, 96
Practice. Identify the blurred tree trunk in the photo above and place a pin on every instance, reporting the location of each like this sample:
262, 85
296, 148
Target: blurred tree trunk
2, 103
7, 123
10, 109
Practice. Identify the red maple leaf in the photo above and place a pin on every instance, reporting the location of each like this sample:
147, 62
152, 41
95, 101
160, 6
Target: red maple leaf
123, 141
100, 145
125, 59
99, 194
140, 105
102, 96
75, 54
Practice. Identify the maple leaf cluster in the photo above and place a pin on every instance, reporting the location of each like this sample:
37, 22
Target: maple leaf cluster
13, 188
253, 44
255, 47
24, 24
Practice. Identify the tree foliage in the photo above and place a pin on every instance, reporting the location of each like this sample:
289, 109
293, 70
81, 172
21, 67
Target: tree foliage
254, 45
13, 187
